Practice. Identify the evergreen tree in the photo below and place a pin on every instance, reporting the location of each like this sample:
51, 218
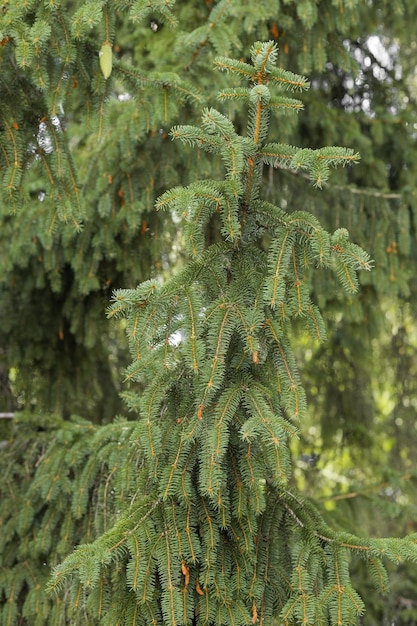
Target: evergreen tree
212, 533
55, 282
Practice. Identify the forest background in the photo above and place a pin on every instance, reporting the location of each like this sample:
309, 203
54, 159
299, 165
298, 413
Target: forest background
83, 160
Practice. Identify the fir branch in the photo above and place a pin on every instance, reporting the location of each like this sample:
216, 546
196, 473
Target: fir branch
233, 93
278, 260
225, 64
193, 136
278, 155
222, 324
89, 558
289, 81
282, 105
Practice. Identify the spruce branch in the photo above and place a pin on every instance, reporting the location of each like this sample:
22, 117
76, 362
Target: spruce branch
224, 539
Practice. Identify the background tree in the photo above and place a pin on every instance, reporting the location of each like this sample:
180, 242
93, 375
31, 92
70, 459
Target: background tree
63, 122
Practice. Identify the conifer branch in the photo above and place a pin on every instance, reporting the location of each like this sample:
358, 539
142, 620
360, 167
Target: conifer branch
203, 527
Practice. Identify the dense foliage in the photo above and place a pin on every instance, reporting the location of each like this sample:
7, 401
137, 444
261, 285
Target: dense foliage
85, 152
